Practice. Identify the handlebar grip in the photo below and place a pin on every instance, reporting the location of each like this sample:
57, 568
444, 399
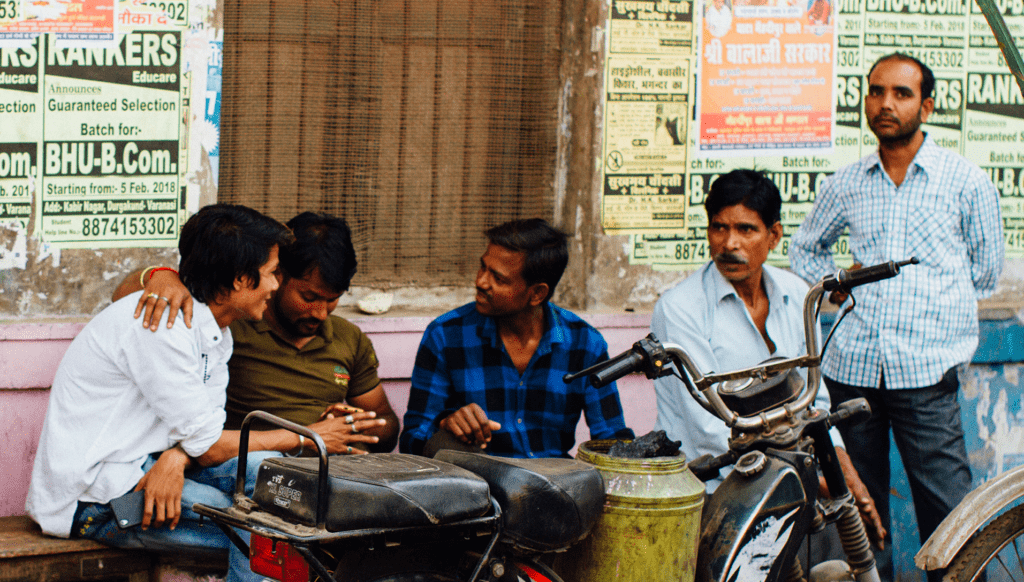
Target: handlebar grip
622, 365
849, 278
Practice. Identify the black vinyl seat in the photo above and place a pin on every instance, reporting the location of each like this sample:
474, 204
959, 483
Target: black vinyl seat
546, 504
372, 491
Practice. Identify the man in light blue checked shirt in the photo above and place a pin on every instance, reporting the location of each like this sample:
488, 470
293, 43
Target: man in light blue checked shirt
902, 345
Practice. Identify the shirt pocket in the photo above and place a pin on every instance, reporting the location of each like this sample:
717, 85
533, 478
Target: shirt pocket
933, 229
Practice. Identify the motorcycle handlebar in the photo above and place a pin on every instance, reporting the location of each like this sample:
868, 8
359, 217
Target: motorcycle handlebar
846, 279
622, 365
646, 355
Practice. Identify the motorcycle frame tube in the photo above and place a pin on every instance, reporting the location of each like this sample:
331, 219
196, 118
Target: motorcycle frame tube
323, 487
978, 507
812, 361
741, 508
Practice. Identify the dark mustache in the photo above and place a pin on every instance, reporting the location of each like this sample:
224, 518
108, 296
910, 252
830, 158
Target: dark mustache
881, 116
727, 257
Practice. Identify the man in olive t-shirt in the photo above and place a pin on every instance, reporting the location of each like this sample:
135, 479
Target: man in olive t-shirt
268, 372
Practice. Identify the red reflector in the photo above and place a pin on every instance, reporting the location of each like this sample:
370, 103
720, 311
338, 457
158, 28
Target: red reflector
277, 560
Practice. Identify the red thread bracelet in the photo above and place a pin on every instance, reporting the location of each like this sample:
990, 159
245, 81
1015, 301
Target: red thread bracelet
151, 273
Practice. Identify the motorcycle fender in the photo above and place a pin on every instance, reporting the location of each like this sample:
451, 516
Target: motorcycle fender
752, 525
980, 505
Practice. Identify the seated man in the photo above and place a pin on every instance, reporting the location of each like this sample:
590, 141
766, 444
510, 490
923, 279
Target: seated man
134, 410
735, 312
489, 374
300, 362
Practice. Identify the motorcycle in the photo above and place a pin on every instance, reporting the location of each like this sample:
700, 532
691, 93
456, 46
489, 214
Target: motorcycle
753, 524
471, 517
391, 517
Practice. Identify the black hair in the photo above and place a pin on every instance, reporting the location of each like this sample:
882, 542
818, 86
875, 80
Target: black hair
546, 249
223, 242
927, 77
750, 188
322, 242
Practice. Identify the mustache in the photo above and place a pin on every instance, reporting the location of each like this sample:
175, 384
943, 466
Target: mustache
885, 116
727, 257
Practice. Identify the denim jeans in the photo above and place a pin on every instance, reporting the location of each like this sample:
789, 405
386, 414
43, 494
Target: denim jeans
211, 486
928, 433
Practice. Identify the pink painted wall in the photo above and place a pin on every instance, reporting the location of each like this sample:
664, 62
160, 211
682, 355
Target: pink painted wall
30, 353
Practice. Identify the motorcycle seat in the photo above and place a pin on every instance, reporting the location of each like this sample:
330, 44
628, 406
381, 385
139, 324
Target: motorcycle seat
546, 504
378, 490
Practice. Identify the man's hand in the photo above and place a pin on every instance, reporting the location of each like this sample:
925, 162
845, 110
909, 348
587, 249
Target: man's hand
865, 504
163, 483
470, 425
339, 433
164, 290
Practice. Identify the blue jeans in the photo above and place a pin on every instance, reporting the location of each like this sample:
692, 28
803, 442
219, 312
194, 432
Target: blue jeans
926, 427
211, 486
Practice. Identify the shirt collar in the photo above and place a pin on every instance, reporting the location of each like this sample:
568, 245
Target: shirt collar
926, 158
207, 326
325, 333
554, 331
722, 288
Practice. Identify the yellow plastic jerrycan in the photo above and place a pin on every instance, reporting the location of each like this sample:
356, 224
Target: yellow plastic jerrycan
650, 526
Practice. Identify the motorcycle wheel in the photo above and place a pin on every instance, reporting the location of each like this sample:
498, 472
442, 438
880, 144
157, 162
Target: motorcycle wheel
995, 553
531, 571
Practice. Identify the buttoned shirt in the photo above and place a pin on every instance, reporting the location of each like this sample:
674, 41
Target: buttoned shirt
120, 394
709, 320
462, 360
924, 321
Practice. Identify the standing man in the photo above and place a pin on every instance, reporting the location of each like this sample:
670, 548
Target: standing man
132, 410
299, 362
489, 374
733, 313
901, 347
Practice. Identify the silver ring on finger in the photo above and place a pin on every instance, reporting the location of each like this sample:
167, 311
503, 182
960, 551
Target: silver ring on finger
349, 419
153, 296
354, 429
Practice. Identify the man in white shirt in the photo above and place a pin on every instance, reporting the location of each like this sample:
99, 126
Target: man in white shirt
735, 312
133, 410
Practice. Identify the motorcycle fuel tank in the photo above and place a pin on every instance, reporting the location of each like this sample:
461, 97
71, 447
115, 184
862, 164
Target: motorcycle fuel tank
753, 523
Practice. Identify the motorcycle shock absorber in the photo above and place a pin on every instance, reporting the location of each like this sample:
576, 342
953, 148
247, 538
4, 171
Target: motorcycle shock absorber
854, 537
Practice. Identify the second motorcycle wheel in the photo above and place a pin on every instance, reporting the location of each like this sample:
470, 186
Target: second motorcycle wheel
994, 554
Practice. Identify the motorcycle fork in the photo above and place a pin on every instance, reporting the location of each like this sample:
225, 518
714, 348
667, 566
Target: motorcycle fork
850, 526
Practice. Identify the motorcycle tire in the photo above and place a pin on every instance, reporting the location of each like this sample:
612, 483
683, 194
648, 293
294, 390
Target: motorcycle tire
531, 571
1000, 544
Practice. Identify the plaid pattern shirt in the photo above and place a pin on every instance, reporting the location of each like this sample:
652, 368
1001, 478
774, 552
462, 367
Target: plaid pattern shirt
924, 321
462, 359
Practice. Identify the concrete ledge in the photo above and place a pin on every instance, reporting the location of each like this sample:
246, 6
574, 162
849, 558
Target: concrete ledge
26, 554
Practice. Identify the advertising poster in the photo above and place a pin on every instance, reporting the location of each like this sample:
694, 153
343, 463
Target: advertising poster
979, 113
94, 139
766, 77
81, 20
648, 108
21, 118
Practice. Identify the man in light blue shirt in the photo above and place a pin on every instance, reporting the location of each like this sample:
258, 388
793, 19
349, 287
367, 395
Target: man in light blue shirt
901, 347
736, 312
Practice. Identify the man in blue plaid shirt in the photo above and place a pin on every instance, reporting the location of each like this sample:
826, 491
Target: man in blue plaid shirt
488, 375
901, 347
